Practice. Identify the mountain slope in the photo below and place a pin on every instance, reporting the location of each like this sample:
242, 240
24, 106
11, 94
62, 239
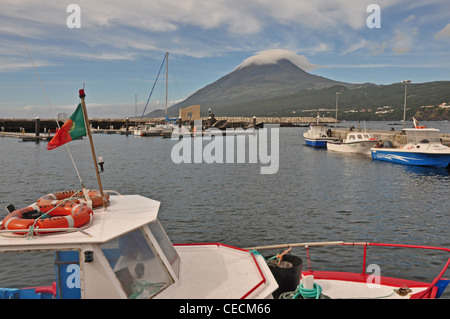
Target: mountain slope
279, 87
254, 82
362, 102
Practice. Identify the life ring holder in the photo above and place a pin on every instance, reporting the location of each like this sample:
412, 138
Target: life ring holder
67, 211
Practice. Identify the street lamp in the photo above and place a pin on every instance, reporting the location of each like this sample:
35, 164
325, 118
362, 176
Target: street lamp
337, 102
404, 105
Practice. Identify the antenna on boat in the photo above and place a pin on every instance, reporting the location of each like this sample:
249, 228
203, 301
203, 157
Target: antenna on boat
88, 130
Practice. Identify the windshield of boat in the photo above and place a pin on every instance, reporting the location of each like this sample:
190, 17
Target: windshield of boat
166, 245
137, 265
422, 136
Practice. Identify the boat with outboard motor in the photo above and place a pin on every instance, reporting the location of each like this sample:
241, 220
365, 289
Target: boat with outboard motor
355, 142
423, 148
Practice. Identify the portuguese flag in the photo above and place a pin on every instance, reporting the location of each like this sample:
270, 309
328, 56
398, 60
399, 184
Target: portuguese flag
72, 129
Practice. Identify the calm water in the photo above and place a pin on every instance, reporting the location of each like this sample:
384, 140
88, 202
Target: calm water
316, 195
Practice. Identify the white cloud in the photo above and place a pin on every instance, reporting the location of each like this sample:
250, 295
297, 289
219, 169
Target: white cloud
191, 27
444, 33
404, 40
272, 56
362, 43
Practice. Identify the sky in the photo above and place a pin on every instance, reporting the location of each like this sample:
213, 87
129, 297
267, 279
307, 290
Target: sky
49, 49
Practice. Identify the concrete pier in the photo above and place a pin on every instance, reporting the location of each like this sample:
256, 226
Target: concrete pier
27, 137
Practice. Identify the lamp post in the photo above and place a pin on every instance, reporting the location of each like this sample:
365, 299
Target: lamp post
404, 105
337, 102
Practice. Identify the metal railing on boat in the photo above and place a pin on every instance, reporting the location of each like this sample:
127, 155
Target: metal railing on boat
365, 245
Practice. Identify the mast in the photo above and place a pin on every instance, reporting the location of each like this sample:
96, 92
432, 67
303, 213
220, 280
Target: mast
167, 76
88, 130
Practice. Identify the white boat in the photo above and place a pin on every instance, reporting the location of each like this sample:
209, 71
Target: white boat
123, 252
318, 135
355, 142
148, 129
423, 148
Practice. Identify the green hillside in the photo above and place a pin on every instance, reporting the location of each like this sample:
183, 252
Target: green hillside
364, 102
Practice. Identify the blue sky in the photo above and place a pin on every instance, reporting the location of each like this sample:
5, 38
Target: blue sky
119, 47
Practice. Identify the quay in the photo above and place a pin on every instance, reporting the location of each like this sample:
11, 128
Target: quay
123, 126
44, 129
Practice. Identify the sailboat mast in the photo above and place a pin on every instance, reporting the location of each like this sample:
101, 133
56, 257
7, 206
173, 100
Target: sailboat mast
167, 76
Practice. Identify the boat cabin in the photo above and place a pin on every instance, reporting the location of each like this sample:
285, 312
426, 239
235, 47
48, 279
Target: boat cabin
125, 253
318, 130
354, 137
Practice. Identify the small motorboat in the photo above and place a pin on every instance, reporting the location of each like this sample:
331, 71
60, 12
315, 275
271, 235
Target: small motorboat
318, 136
423, 148
149, 129
355, 142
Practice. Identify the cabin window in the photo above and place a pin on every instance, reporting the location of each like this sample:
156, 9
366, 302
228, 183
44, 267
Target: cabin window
351, 137
360, 137
136, 264
166, 245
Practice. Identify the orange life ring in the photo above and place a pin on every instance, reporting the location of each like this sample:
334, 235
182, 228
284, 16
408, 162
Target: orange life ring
55, 199
68, 215
63, 212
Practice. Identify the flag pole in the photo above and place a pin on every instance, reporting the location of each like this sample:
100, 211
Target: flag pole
88, 130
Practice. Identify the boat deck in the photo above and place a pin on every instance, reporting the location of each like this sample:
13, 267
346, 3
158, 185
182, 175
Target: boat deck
237, 274
340, 289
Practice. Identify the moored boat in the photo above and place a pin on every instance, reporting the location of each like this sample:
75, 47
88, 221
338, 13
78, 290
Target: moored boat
149, 129
124, 252
423, 148
355, 142
318, 135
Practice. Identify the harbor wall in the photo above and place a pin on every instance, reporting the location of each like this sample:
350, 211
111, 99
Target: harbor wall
29, 125
42, 127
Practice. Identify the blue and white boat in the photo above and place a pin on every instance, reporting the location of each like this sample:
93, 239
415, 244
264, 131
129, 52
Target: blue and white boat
423, 148
317, 135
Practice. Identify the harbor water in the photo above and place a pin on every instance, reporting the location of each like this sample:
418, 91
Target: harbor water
315, 195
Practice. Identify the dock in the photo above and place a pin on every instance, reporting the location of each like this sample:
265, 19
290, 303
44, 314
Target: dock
26, 137
35, 130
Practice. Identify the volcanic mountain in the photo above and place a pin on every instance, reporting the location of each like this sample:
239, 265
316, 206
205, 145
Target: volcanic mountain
252, 81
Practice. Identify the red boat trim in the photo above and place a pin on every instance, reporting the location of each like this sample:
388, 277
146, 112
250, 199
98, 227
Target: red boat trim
362, 278
429, 292
263, 278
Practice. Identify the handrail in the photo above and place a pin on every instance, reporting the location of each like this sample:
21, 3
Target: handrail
365, 244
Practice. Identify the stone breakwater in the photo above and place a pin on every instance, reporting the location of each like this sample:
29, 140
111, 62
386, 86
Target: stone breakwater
46, 125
